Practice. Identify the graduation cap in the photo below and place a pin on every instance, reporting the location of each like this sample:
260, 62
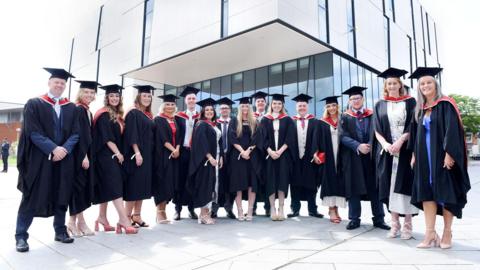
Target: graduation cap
259, 94
112, 88
225, 101
144, 88
392, 73
88, 84
207, 102
302, 97
59, 73
354, 90
189, 90
243, 100
169, 98
330, 99
425, 71
279, 97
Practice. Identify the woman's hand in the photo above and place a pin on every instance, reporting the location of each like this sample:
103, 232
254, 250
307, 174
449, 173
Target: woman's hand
138, 159
246, 154
85, 163
176, 153
396, 147
412, 161
448, 162
120, 157
220, 164
213, 162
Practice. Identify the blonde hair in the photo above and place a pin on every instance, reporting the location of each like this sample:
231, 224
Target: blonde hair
139, 105
161, 109
114, 112
401, 91
81, 94
270, 110
252, 122
421, 100
326, 114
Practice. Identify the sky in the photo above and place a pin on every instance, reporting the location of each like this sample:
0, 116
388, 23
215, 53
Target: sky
38, 33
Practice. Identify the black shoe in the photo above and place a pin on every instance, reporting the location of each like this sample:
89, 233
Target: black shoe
315, 214
64, 238
267, 213
176, 216
213, 215
294, 214
231, 215
381, 225
22, 245
353, 224
192, 214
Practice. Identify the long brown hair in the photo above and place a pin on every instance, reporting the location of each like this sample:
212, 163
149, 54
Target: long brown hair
326, 114
114, 112
252, 122
139, 105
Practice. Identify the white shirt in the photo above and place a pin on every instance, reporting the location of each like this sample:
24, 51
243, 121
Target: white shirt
334, 134
189, 128
302, 136
56, 107
226, 129
276, 128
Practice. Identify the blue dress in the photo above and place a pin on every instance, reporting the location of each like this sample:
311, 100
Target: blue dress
426, 124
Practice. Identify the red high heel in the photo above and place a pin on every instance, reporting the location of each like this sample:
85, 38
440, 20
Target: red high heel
106, 227
127, 229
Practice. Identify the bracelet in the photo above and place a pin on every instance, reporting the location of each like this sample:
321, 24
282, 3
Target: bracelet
115, 155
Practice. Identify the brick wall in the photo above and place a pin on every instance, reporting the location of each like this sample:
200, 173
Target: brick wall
10, 131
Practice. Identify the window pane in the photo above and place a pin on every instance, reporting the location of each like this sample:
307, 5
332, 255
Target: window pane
226, 84
345, 80
261, 79
324, 79
248, 83
290, 86
215, 88
322, 20
275, 79
237, 86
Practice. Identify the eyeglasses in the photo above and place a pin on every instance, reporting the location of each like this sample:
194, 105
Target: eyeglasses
355, 98
224, 108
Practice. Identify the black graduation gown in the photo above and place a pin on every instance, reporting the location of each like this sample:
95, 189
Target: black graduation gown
138, 130
305, 172
225, 171
278, 172
330, 174
244, 173
109, 175
202, 179
82, 195
261, 163
383, 160
449, 187
45, 184
165, 170
358, 170
181, 194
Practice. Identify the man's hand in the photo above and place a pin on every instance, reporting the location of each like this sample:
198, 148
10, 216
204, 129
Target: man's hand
59, 153
364, 148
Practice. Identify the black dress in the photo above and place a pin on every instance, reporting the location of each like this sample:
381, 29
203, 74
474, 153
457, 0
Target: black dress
278, 172
166, 169
202, 176
82, 194
431, 181
108, 172
305, 181
44, 184
138, 130
383, 160
333, 184
244, 173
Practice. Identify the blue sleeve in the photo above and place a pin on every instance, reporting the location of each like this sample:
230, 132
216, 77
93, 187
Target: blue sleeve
70, 143
42, 142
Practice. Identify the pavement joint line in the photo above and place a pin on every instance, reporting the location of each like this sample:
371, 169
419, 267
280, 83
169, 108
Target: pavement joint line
326, 248
6, 262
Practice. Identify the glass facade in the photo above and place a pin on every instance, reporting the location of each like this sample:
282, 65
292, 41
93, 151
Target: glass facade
319, 76
323, 20
147, 30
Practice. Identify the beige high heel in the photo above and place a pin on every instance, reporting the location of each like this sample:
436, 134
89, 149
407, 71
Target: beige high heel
394, 229
160, 220
446, 246
206, 219
73, 231
273, 214
241, 216
83, 227
249, 216
434, 242
407, 231
280, 215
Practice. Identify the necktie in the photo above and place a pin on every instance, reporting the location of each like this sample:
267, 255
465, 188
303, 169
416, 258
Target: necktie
56, 107
302, 122
361, 123
224, 135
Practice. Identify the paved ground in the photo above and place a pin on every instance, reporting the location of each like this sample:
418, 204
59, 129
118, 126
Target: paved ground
300, 243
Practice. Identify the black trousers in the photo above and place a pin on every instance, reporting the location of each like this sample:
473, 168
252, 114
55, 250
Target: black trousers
5, 162
25, 219
304, 193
